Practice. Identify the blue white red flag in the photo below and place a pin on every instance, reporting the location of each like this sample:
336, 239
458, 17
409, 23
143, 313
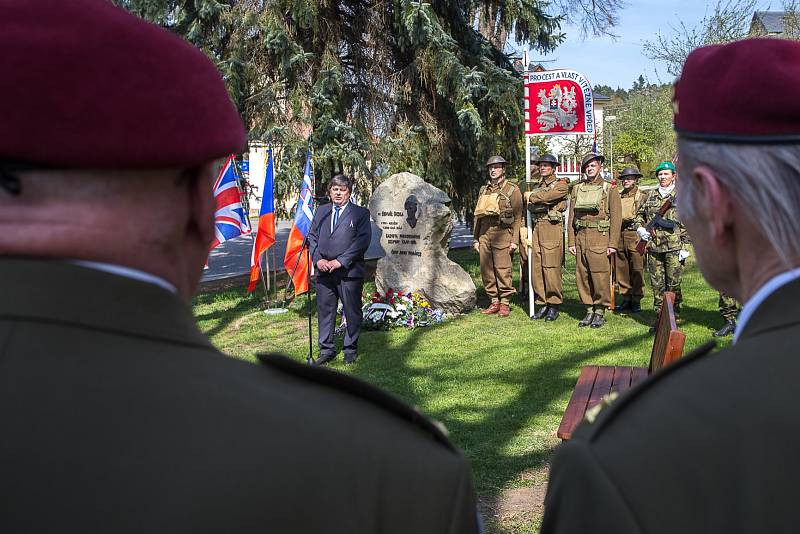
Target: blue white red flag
295, 261
230, 219
265, 235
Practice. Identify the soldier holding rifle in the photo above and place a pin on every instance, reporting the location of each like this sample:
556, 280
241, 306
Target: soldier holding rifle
665, 238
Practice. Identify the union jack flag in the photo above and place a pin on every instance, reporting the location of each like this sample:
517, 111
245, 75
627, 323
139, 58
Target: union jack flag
230, 219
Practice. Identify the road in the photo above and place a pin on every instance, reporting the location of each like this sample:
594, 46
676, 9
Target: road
232, 258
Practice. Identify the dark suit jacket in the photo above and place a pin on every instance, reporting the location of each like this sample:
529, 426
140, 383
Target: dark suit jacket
118, 415
347, 243
711, 444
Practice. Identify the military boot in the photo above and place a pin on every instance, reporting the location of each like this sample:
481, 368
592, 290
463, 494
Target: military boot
636, 307
727, 329
586, 321
493, 308
552, 313
540, 313
504, 310
624, 305
598, 321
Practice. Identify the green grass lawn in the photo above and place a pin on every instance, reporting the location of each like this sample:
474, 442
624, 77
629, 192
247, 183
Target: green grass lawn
499, 385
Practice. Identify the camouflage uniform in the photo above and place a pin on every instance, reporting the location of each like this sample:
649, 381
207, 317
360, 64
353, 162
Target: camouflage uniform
728, 307
666, 271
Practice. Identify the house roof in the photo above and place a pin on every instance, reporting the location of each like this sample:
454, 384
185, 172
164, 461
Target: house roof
772, 20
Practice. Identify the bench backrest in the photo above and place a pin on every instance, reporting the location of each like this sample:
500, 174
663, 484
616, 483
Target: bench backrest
668, 344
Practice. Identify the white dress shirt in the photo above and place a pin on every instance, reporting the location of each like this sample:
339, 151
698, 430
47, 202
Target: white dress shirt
127, 272
341, 212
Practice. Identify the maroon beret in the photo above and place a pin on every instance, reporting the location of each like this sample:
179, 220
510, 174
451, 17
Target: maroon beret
742, 92
88, 85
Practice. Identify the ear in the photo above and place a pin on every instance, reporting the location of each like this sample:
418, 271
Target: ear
714, 201
202, 204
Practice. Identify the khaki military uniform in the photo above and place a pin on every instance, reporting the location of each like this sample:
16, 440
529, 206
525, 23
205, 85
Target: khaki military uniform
666, 271
594, 227
547, 203
628, 262
495, 233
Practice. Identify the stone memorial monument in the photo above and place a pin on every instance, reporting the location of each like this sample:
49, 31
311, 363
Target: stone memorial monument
416, 222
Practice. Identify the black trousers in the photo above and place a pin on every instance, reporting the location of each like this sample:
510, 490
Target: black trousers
331, 288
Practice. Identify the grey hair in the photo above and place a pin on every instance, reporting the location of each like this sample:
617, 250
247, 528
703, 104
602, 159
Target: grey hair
765, 179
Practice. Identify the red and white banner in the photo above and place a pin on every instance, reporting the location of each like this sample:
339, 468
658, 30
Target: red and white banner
558, 102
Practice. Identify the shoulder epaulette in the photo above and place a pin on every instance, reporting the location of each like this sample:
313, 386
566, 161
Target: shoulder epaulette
512, 186
610, 412
357, 388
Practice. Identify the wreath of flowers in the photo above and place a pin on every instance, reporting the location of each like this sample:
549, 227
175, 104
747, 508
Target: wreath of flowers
395, 308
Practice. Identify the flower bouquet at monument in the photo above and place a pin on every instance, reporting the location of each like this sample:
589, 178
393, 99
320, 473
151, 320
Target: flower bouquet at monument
395, 308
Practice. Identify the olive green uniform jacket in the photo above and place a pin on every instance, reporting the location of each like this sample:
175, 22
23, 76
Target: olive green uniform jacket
707, 445
120, 416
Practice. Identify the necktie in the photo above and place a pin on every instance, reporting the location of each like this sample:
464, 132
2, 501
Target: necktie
335, 216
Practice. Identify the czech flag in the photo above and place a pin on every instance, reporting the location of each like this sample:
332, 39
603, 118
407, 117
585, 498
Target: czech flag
295, 261
265, 235
230, 219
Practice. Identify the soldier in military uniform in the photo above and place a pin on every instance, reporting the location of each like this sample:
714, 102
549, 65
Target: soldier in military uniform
709, 443
546, 204
629, 263
594, 225
119, 415
729, 309
498, 217
665, 250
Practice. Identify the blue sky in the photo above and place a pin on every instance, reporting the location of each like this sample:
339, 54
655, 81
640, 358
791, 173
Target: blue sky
619, 62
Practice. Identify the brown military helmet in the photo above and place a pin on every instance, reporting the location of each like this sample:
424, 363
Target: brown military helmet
632, 172
589, 157
548, 158
495, 159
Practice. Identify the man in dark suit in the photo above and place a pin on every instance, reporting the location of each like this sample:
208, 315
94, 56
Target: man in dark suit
710, 444
118, 415
338, 240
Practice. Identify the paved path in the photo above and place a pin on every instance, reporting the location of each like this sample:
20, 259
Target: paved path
232, 258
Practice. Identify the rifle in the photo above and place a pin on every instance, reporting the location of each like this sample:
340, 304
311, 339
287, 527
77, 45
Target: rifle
658, 220
613, 258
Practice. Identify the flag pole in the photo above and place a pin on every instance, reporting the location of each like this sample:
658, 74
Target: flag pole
265, 256
310, 264
528, 220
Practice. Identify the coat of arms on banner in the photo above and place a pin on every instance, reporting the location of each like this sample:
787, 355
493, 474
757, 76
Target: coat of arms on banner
557, 107
558, 102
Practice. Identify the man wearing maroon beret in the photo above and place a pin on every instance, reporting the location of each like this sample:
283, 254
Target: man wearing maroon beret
118, 415
710, 444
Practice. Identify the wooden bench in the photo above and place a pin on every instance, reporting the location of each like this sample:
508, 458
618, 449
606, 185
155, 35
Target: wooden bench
597, 381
